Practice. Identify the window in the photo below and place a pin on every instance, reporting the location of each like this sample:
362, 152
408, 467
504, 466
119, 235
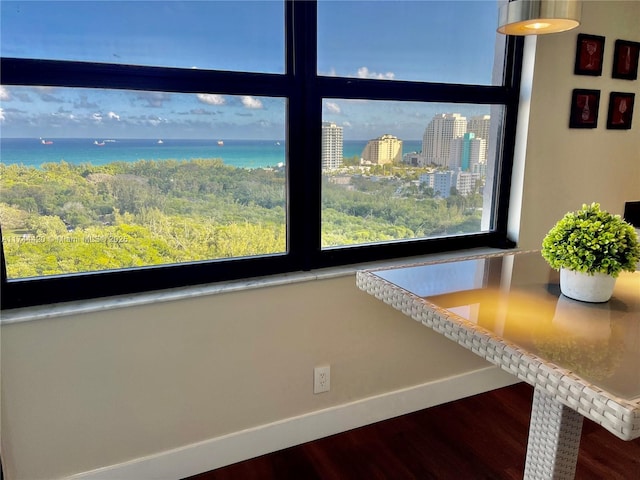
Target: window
426, 179
187, 34
143, 182
228, 140
447, 42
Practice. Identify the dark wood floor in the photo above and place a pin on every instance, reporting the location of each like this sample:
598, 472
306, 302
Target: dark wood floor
481, 437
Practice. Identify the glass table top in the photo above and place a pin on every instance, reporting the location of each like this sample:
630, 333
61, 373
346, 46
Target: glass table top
517, 297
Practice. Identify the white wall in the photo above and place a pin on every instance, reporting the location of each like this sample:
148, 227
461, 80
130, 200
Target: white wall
86, 391
565, 167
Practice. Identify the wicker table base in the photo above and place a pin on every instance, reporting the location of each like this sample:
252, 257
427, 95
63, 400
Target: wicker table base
554, 439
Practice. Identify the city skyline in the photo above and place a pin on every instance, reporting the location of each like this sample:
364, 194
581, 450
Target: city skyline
450, 140
252, 41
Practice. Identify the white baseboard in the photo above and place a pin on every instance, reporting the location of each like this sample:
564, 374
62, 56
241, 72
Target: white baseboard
225, 450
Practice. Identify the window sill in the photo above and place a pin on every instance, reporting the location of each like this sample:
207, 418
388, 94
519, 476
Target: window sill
42, 312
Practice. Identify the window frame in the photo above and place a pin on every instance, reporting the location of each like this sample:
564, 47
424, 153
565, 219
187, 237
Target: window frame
304, 90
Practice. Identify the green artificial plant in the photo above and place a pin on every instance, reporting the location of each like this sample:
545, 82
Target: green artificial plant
591, 241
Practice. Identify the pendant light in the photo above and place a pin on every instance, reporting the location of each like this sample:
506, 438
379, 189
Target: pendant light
538, 17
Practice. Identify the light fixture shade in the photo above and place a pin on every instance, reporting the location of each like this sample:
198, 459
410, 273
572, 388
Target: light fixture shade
537, 17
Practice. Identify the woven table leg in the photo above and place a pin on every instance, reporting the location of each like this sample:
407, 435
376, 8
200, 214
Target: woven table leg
554, 439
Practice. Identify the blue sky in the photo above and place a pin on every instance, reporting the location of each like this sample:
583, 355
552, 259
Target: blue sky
442, 41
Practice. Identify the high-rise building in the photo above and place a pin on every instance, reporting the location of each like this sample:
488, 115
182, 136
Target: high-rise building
382, 150
466, 152
437, 137
332, 143
479, 126
478, 153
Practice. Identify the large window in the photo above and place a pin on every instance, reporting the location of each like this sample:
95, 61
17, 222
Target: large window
420, 174
157, 144
142, 182
187, 34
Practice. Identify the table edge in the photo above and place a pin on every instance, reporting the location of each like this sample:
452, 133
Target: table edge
618, 415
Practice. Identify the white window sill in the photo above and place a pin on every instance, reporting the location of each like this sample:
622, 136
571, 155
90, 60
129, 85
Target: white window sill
42, 312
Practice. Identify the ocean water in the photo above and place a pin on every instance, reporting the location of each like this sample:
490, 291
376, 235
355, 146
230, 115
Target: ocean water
238, 153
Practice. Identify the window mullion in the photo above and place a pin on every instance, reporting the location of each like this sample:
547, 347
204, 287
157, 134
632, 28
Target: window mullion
18, 71
512, 82
342, 87
304, 135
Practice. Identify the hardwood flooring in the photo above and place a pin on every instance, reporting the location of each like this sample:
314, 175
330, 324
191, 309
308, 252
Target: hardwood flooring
477, 438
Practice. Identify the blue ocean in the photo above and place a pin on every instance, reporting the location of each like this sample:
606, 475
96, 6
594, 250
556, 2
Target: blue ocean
34, 152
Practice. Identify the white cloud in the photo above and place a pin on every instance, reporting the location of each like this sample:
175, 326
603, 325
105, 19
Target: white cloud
97, 117
252, 103
113, 116
4, 93
155, 121
347, 124
333, 107
62, 114
211, 99
154, 99
363, 72
2, 117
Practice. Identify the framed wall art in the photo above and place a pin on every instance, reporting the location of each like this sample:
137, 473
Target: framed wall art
584, 108
589, 55
620, 110
625, 60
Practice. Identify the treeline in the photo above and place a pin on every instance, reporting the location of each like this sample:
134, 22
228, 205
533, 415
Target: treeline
65, 218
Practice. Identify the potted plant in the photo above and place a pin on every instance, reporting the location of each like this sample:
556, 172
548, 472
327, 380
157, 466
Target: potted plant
591, 247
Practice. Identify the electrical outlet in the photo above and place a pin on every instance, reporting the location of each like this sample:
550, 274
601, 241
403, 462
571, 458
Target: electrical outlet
321, 379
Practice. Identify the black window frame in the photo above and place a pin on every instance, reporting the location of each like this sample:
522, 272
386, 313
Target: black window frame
304, 90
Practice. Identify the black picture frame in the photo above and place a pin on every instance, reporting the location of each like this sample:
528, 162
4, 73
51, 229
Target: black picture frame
625, 60
584, 108
620, 113
589, 55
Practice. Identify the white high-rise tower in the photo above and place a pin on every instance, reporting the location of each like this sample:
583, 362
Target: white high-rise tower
437, 137
331, 146
479, 125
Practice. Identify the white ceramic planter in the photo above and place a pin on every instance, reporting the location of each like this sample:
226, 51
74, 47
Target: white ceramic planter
594, 288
